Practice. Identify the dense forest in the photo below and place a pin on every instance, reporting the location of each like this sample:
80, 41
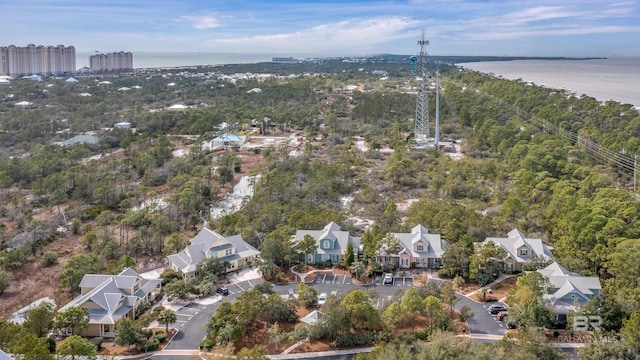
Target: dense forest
514, 173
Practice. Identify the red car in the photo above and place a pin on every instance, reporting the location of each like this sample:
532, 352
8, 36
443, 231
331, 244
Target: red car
501, 315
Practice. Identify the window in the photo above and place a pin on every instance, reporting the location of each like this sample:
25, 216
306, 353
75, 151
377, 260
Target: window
573, 296
523, 252
405, 262
326, 244
420, 248
228, 252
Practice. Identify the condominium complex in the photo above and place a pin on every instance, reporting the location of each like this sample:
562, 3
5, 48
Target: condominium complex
111, 61
38, 59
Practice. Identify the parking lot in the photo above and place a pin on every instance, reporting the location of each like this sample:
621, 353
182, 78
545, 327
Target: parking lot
397, 281
237, 288
332, 279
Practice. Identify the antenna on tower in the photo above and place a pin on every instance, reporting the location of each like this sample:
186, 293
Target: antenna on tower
421, 132
437, 139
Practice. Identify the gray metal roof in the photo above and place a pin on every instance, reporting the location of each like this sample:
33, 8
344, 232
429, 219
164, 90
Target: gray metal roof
516, 240
332, 232
205, 241
111, 295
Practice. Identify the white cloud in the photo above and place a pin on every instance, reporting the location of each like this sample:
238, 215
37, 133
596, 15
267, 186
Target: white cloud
202, 22
352, 36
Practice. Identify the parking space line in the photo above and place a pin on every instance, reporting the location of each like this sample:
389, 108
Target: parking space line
238, 285
250, 283
334, 279
324, 277
344, 279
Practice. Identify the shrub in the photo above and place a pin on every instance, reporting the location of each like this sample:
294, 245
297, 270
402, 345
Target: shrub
161, 337
49, 258
207, 344
151, 344
146, 333
351, 340
97, 341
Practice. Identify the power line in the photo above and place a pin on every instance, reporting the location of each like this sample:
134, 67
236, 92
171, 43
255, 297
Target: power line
623, 163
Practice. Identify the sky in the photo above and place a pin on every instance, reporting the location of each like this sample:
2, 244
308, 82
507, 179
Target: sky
329, 28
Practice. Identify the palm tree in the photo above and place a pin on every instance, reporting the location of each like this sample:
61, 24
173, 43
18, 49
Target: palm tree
166, 317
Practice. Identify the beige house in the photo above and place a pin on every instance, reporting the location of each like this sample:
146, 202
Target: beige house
111, 297
209, 244
520, 250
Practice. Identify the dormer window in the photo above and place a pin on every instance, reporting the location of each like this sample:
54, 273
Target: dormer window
523, 252
573, 296
326, 244
420, 247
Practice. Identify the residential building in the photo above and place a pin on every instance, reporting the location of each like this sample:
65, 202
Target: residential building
111, 297
209, 244
114, 61
38, 59
520, 250
332, 243
419, 248
5, 356
224, 141
82, 139
569, 289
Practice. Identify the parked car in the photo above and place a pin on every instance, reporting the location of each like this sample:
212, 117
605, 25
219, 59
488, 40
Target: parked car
388, 279
497, 307
322, 299
334, 292
501, 315
222, 291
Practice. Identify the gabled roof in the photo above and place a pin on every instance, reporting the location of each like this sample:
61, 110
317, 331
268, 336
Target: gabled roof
207, 240
110, 294
312, 318
227, 137
435, 245
565, 282
332, 232
516, 240
5, 356
81, 139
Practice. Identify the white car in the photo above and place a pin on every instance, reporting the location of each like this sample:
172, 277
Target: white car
388, 279
322, 299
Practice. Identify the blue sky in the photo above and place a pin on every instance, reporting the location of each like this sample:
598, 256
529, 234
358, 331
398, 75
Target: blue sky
329, 28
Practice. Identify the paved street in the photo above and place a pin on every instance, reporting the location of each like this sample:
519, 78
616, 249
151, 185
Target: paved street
193, 317
482, 322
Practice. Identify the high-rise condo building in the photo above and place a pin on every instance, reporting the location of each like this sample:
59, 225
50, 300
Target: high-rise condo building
112, 61
38, 59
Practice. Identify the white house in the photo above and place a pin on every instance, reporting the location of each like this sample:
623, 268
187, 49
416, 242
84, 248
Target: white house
224, 141
209, 244
111, 297
520, 250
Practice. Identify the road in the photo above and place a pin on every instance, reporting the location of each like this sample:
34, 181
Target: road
193, 317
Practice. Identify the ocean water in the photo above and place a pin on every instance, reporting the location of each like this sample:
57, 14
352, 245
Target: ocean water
149, 59
615, 78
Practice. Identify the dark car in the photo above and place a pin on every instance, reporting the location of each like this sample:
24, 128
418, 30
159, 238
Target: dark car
222, 291
496, 308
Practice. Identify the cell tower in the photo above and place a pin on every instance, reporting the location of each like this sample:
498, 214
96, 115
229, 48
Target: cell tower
421, 132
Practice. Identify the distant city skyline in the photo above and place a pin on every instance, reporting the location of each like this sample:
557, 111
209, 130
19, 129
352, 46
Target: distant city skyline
330, 28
